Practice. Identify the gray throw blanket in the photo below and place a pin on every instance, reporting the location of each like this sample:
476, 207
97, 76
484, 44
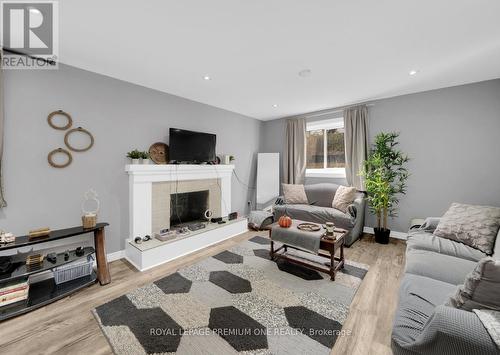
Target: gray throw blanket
259, 219
308, 241
491, 321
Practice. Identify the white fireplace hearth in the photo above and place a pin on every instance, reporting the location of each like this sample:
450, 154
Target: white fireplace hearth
153, 189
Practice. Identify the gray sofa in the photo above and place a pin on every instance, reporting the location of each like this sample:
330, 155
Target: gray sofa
423, 323
320, 210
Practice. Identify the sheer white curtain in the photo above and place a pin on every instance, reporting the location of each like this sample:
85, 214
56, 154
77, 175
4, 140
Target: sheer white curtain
294, 157
356, 144
2, 200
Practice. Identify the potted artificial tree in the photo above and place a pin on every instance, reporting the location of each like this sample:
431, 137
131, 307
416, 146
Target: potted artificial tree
385, 175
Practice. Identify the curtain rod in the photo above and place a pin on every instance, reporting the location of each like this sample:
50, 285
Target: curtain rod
337, 110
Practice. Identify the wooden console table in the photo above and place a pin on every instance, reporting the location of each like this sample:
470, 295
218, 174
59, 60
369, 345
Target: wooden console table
44, 292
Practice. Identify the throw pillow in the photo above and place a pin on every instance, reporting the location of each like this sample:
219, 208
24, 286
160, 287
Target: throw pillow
475, 226
480, 289
294, 194
344, 196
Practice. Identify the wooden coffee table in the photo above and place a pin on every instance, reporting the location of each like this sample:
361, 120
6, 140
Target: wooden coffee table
328, 249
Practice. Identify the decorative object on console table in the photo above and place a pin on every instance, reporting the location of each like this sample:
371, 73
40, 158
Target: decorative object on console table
74, 270
385, 176
6, 237
39, 233
134, 156
89, 218
159, 153
13, 292
34, 259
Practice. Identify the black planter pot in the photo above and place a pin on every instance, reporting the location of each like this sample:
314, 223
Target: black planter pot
382, 235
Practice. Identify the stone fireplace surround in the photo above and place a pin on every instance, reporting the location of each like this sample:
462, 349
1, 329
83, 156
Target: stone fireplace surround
161, 198
150, 187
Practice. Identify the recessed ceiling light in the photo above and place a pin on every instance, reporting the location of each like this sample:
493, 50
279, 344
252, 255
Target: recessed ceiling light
275, 105
206, 77
305, 72
413, 72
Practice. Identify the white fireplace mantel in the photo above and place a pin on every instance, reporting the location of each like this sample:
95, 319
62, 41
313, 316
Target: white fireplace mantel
141, 178
154, 252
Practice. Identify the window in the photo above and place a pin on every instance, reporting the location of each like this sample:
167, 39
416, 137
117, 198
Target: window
325, 151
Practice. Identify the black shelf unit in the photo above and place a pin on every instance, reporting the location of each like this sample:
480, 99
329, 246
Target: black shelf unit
21, 270
46, 291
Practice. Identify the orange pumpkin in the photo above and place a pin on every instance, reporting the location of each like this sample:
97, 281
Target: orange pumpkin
285, 222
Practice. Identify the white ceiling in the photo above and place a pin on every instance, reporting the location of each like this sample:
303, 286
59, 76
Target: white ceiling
254, 49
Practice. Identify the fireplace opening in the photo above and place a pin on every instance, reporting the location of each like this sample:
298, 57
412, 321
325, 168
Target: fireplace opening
188, 207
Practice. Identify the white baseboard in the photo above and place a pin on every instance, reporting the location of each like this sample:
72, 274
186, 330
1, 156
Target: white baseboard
394, 234
117, 255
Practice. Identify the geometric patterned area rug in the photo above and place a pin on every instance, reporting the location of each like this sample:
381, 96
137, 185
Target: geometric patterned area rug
238, 301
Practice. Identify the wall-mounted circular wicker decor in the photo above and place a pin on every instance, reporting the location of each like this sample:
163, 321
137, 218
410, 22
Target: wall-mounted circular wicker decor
159, 153
68, 124
59, 151
79, 130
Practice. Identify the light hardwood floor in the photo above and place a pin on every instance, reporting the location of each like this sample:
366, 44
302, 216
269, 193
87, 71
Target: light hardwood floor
68, 327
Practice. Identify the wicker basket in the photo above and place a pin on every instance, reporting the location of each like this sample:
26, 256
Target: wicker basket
74, 270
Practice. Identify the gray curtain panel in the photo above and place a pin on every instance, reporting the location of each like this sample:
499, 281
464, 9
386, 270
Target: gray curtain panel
294, 159
356, 144
2, 200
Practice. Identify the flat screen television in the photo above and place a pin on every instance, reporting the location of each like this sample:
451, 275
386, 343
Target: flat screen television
191, 147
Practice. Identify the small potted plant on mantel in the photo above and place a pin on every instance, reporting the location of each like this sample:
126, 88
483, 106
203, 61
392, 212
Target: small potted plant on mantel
134, 156
385, 176
145, 158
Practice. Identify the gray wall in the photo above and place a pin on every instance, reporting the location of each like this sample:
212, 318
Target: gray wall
453, 138
121, 117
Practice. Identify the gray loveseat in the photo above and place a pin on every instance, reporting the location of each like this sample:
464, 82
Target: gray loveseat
423, 323
320, 210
